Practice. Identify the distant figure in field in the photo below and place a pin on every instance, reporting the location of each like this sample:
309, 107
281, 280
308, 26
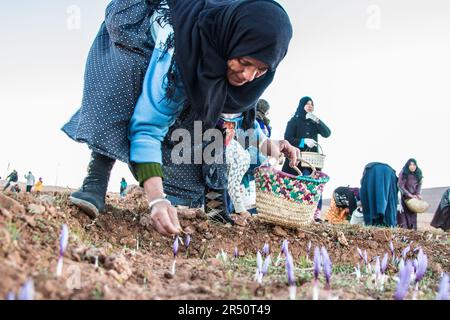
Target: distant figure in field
441, 218
38, 186
303, 131
12, 179
343, 203
379, 195
410, 186
123, 187
30, 181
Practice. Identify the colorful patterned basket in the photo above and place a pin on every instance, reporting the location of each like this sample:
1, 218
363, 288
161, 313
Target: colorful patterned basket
285, 199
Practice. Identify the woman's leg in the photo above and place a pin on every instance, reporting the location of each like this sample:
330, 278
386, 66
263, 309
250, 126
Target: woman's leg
238, 160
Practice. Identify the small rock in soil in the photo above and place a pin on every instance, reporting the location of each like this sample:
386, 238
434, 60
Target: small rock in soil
11, 205
168, 275
200, 214
36, 209
279, 231
5, 212
189, 214
342, 240
47, 199
208, 236
189, 230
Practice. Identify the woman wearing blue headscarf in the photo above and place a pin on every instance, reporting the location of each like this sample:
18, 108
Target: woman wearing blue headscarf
158, 66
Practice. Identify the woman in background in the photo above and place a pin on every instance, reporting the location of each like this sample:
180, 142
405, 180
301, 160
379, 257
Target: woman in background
410, 186
302, 131
441, 218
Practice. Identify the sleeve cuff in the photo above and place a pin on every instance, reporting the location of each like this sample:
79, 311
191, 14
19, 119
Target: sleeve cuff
302, 143
146, 171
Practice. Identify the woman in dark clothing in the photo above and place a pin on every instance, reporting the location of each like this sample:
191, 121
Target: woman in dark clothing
441, 218
410, 186
302, 131
379, 195
160, 65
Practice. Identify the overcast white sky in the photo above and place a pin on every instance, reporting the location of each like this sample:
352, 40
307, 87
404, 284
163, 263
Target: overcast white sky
378, 71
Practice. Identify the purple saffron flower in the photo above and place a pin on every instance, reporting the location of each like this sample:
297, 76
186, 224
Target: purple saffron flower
317, 263
443, 288
417, 249
266, 265
405, 251
391, 247
27, 290
384, 263
259, 261
63, 240
236, 252
187, 241
327, 270
266, 249
422, 263
365, 257
290, 269
404, 280
175, 247
360, 254
10, 296
285, 247
324, 254
377, 266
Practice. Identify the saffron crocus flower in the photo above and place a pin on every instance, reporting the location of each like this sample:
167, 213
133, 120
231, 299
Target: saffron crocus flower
308, 249
259, 262
27, 291
175, 247
236, 252
422, 263
417, 249
63, 241
357, 272
360, 254
187, 241
10, 296
443, 288
391, 247
384, 263
285, 247
291, 276
317, 267
327, 269
403, 282
405, 251
266, 265
266, 249
365, 257
377, 268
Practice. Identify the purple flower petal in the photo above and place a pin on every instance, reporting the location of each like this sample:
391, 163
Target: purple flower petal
404, 280
365, 257
259, 261
421, 268
187, 241
360, 253
317, 263
27, 291
391, 247
308, 248
175, 246
405, 251
266, 265
327, 269
377, 266
290, 269
384, 263
10, 296
236, 252
64, 239
443, 288
266, 249
285, 247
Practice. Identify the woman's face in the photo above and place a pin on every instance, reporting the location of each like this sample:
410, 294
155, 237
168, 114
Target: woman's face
309, 107
243, 70
412, 167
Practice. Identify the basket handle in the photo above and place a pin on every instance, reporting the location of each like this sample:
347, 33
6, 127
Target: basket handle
319, 148
281, 159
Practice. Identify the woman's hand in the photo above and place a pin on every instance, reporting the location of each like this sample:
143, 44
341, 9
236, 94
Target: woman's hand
275, 148
163, 217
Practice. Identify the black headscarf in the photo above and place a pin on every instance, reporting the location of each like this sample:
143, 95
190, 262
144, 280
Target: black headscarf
210, 32
417, 173
261, 109
301, 113
345, 197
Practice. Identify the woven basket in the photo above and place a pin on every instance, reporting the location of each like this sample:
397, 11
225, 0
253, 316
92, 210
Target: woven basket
285, 199
417, 205
315, 159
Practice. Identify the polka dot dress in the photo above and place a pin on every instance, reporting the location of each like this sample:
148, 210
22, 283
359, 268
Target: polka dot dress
115, 70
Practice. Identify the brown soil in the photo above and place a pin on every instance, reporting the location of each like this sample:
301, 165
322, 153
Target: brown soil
134, 261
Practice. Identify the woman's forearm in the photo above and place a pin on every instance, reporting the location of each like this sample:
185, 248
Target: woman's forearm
153, 188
